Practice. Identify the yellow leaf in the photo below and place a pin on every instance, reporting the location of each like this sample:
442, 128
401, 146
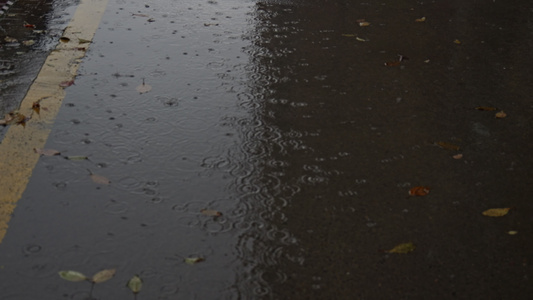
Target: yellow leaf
364, 24
423, 19
500, 115
496, 212
193, 260
403, 248
458, 42
103, 275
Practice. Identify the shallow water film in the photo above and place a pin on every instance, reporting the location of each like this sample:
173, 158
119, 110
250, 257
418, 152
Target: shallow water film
288, 150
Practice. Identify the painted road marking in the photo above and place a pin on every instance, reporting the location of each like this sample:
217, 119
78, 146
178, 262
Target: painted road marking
17, 157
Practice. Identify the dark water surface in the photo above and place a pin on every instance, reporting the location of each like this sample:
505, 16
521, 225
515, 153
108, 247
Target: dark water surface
283, 117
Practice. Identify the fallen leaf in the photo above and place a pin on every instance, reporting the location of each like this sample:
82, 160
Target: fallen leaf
364, 24
143, 88
419, 191
486, 108
135, 284
458, 156
36, 106
403, 248
29, 25
64, 39
103, 275
423, 19
9, 39
496, 212
211, 212
360, 39
76, 157
512, 232
393, 63
500, 115
14, 117
66, 83
193, 260
46, 152
72, 276
458, 42
98, 178
83, 41
448, 146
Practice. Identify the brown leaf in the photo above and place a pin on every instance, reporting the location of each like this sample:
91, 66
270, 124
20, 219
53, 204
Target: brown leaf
46, 152
64, 39
211, 212
486, 108
36, 106
98, 178
419, 191
143, 88
448, 146
496, 212
458, 156
66, 83
393, 63
14, 117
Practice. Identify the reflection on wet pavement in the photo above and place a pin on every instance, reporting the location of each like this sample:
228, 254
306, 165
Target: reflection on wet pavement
276, 115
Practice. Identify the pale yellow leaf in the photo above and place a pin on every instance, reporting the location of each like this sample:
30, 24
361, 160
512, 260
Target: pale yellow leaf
496, 212
104, 275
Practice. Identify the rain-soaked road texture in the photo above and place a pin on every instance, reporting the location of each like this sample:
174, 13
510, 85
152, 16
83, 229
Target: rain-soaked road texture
24, 48
277, 116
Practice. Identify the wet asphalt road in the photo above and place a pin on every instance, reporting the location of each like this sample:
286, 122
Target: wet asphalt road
284, 117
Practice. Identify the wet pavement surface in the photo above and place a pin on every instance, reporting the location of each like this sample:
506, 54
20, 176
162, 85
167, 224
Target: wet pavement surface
297, 121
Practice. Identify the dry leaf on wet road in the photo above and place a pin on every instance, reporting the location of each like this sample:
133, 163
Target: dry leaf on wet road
496, 212
500, 115
402, 248
419, 191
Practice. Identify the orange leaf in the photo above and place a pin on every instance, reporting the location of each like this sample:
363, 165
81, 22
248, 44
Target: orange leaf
419, 191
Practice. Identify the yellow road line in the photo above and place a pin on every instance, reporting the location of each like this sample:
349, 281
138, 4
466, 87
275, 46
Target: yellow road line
17, 157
